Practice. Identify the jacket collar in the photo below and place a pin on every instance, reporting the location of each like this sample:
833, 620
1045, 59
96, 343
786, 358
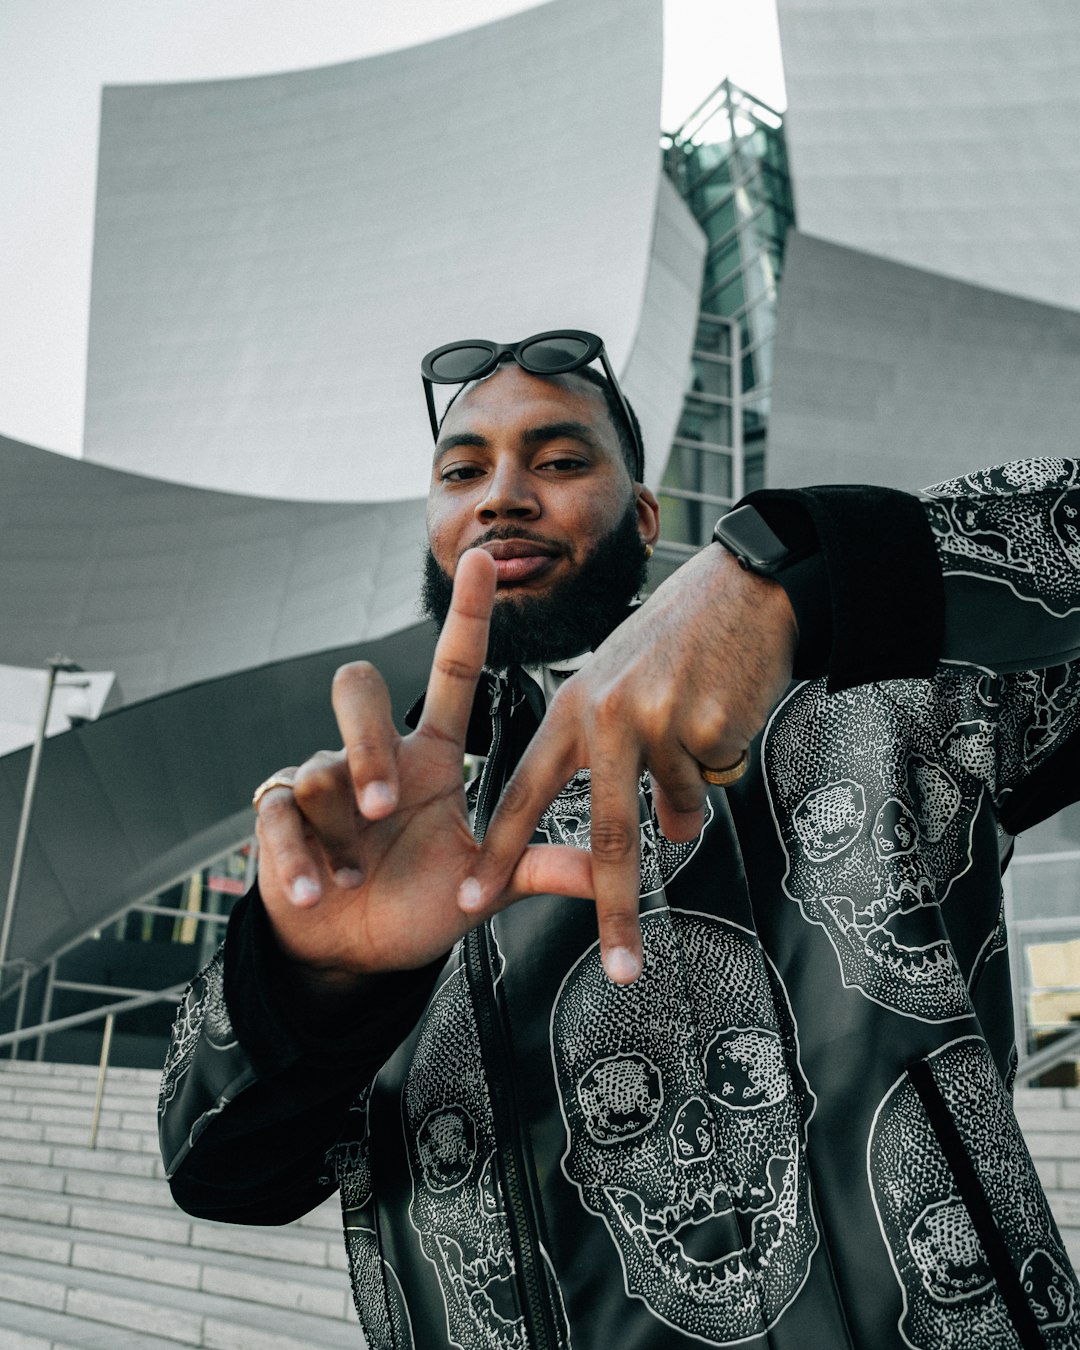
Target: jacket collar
523, 690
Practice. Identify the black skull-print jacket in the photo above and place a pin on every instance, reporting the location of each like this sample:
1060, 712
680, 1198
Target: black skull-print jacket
795, 1129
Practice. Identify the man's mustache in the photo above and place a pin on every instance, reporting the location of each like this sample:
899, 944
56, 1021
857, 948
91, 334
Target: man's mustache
505, 532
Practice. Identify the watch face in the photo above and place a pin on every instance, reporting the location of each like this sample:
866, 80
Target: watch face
745, 532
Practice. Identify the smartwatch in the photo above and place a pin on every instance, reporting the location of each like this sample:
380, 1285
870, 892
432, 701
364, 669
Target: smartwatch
747, 534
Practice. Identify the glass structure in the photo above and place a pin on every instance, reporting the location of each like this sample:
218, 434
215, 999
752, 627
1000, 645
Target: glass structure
729, 164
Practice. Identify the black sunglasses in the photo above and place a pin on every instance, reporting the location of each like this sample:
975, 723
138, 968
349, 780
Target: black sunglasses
554, 353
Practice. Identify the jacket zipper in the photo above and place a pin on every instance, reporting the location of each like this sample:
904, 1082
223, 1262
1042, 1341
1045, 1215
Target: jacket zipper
514, 1165
483, 803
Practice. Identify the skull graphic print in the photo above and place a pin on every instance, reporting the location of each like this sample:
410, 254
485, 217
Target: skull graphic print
457, 1206
972, 518
202, 1014
377, 1293
951, 1299
686, 1114
877, 827
568, 820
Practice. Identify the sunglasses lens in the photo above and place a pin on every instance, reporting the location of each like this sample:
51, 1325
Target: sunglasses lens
460, 364
554, 354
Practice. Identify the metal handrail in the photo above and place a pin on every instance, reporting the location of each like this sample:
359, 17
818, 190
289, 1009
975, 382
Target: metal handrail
103, 1069
14, 963
171, 995
109, 1012
1068, 1047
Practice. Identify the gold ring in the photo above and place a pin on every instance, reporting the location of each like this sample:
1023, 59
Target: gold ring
725, 777
276, 780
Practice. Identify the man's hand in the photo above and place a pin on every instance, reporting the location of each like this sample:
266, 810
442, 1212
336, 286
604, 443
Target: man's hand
688, 680
361, 862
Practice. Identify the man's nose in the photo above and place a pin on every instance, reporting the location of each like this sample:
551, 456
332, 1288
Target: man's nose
510, 493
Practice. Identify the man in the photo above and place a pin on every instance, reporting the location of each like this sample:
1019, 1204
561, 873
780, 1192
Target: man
769, 1105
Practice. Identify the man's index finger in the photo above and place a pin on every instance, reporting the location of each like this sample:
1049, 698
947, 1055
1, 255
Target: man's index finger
461, 649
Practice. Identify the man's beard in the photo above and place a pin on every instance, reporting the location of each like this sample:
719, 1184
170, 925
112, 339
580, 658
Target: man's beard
574, 616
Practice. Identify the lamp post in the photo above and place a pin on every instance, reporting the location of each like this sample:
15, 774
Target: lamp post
55, 665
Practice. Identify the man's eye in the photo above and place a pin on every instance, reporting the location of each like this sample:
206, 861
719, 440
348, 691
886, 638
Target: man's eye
460, 473
564, 464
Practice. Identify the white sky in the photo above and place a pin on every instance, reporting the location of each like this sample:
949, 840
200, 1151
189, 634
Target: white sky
55, 55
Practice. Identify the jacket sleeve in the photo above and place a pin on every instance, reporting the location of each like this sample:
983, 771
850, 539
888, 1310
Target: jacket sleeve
981, 572
252, 1100
1009, 543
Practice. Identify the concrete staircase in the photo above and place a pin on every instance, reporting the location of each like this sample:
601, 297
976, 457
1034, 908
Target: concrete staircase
95, 1255
1050, 1120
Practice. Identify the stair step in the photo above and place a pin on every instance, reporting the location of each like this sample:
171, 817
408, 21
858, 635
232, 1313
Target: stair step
301, 1245
26, 1328
131, 1122
188, 1316
311, 1289
65, 1211
55, 1092
115, 1129
137, 1079
94, 1255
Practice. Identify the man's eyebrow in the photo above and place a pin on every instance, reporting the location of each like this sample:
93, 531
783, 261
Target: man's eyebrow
549, 431
552, 431
446, 443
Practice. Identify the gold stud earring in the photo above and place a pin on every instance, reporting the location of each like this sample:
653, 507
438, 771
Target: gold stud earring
648, 552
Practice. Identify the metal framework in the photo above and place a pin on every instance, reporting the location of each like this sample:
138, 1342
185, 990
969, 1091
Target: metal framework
729, 163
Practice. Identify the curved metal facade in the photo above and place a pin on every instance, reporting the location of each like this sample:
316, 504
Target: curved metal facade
134, 802
166, 584
224, 618
888, 374
273, 255
942, 134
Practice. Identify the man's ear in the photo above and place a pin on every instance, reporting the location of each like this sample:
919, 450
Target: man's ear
648, 514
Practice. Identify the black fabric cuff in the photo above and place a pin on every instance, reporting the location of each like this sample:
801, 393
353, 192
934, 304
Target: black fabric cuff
879, 569
385, 1009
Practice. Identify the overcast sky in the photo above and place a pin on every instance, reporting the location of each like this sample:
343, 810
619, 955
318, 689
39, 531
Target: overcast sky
55, 55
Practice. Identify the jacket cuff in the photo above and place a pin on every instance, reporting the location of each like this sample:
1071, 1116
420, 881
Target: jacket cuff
869, 601
275, 1036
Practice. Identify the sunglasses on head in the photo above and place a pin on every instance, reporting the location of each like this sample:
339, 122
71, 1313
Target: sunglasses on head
554, 353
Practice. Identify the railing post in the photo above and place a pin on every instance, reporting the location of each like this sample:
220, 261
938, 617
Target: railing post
46, 1007
106, 1042
20, 1008
55, 665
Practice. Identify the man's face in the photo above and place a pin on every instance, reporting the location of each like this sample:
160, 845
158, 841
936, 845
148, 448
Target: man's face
531, 470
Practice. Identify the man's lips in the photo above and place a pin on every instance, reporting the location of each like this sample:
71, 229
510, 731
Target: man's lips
518, 560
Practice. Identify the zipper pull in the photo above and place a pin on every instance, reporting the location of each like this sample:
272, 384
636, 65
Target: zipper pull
500, 686
485, 792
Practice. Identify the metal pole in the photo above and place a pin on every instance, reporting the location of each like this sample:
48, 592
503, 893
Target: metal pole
55, 664
106, 1042
20, 1011
738, 448
46, 1007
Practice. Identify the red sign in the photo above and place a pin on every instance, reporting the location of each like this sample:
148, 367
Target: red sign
226, 885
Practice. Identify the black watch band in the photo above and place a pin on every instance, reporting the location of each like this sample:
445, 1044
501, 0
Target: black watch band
747, 534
